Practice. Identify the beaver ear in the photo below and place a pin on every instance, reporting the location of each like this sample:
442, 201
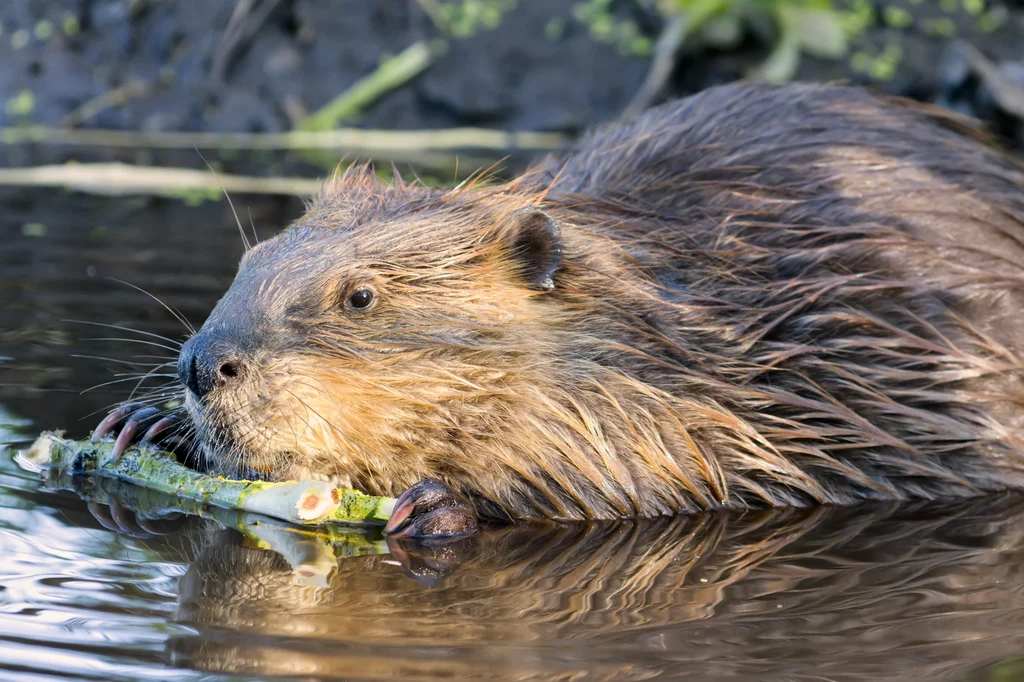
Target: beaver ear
536, 242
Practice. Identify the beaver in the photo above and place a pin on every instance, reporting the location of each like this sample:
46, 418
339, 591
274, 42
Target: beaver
758, 295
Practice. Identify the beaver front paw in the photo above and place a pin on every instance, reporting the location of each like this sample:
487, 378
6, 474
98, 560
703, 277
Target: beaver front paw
137, 423
430, 509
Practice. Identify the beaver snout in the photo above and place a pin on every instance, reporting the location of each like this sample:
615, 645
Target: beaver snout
206, 362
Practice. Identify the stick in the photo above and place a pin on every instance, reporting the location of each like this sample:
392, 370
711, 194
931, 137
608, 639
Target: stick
111, 98
664, 62
1008, 94
357, 141
392, 73
304, 503
121, 178
244, 23
312, 551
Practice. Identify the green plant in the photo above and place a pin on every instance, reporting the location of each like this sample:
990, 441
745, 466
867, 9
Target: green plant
466, 18
603, 26
793, 27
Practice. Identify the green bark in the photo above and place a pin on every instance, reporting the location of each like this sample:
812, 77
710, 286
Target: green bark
301, 502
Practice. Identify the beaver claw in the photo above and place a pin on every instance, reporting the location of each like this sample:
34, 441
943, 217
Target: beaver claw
430, 509
119, 519
139, 423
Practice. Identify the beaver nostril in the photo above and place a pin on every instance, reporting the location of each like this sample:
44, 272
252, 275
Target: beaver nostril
228, 370
205, 363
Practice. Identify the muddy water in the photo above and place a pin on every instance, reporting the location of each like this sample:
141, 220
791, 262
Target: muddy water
918, 592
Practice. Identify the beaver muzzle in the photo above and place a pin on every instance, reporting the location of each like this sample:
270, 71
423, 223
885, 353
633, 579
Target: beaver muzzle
206, 362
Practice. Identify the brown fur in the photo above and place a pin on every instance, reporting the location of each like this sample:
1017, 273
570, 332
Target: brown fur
767, 296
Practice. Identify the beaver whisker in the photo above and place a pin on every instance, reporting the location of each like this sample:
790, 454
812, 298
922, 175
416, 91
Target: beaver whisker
255, 236
232, 446
128, 329
144, 401
168, 389
139, 341
305, 419
173, 311
334, 461
337, 430
165, 358
411, 398
241, 231
119, 361
152, 374
133, 377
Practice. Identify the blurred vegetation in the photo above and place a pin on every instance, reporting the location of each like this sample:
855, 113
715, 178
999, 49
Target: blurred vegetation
686, 45
792, 26
814, 26
466, 18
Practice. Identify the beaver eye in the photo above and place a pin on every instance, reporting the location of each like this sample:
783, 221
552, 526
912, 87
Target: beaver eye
360, 298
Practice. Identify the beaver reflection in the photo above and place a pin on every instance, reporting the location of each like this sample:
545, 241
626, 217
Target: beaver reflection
914, 592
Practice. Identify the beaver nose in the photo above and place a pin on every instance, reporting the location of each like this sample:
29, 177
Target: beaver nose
201, 365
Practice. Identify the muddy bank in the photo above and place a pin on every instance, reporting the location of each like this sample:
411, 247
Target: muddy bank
262, 66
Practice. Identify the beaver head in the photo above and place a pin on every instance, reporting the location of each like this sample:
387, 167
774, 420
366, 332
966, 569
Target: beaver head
358, 341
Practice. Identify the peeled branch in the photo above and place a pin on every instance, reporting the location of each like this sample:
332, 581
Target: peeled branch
306, 503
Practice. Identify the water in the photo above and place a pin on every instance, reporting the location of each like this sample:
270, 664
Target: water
883, 592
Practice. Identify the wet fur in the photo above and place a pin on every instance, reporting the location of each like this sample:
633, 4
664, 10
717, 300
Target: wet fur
767, 296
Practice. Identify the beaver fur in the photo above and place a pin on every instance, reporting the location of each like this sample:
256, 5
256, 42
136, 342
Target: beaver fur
758, 295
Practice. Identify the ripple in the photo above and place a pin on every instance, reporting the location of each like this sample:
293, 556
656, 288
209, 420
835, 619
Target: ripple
24, 660
792, 597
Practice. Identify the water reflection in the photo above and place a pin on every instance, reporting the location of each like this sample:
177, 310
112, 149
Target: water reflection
919, 591
77, 602
884, 594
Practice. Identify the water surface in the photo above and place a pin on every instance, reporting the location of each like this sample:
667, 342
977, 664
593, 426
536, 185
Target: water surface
880, 592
